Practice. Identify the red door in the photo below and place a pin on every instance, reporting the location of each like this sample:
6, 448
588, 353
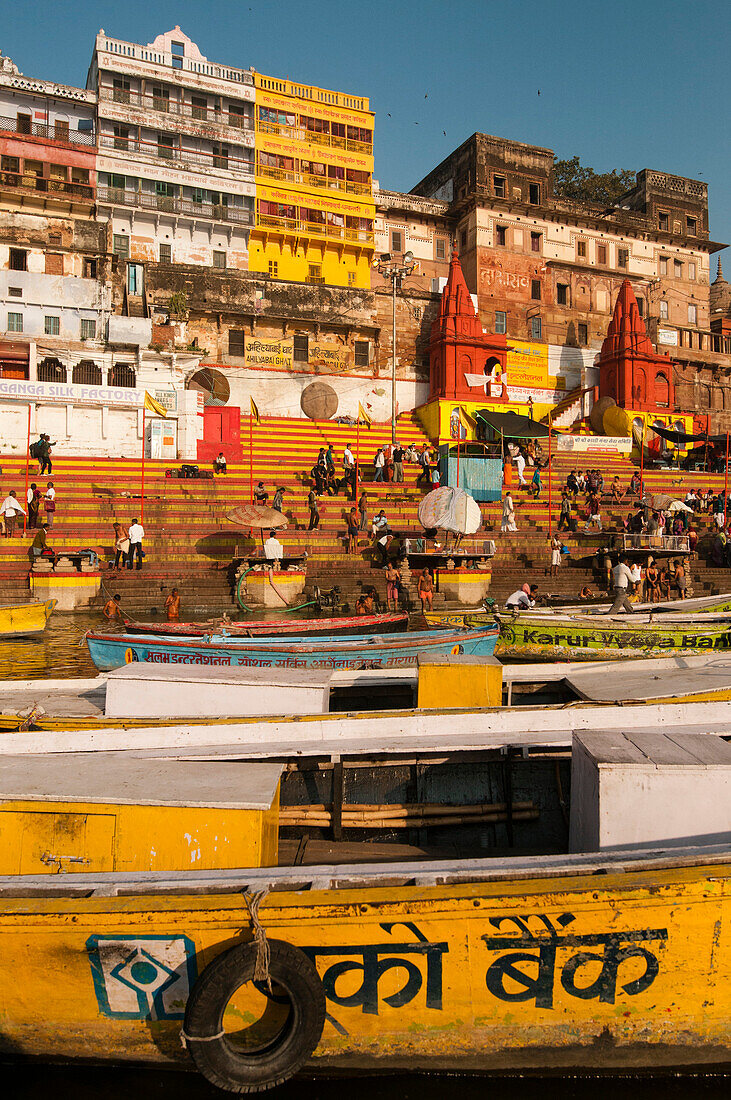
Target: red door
221, 432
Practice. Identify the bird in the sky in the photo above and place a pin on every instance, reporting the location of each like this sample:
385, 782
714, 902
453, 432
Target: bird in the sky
539, 91
426, 95
444, 132
388, 113
416, 124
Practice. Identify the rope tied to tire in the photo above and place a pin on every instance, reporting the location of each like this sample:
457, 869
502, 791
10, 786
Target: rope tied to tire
253, 899
184, 1038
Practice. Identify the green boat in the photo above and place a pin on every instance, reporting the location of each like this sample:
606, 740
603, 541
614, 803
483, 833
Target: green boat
467, 617
525, 635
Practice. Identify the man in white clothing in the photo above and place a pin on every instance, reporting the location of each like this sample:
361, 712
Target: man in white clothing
520, 467
525, 597
622, 580
10, 509
135, 535
349, 469
273, 549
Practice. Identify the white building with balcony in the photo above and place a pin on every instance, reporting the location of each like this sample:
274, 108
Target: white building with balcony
175, 163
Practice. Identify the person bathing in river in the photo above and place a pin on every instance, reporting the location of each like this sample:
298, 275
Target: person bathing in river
112, 610
172, 606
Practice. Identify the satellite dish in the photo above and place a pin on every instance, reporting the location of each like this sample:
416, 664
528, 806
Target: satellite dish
212, 384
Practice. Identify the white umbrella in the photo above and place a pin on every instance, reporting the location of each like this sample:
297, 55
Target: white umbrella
451, 509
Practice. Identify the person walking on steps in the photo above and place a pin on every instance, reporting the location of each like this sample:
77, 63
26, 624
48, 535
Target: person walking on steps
398, 463
121, 545
49, 503
46, 466
622, 579
34, 505
363, 511
10, 509
314, 506
136, 535
520, 467
508, 520
555, 555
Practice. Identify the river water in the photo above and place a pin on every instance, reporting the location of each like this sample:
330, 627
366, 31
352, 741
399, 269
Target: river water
37, 1082
61, 653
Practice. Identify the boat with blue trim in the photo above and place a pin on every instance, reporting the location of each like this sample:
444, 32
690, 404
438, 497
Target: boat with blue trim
348, 651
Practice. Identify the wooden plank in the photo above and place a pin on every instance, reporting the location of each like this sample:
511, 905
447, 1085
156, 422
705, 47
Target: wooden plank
661, 750
611, 747
708, 750
452, 871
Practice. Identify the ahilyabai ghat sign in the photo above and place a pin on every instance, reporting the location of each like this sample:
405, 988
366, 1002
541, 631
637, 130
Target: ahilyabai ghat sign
68, 394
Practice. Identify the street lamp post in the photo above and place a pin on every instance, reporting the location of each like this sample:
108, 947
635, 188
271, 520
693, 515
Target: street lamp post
389, 268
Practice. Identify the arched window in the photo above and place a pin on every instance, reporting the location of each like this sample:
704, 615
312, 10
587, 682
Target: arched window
640, 386
87, 373
51, 370
123, 375
662, 390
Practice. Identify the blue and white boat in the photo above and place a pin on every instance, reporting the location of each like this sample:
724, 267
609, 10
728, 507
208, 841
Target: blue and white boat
346, 652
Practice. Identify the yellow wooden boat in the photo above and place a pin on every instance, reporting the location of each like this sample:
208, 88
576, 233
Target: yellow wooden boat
21, 619
603, 961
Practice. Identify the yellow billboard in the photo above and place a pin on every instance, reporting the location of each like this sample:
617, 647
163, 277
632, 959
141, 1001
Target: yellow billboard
298, 197
309, 107
261, 352
289, 147
528, 365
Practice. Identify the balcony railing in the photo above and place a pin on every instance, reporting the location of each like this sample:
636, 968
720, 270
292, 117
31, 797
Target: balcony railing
299, 133
174, 107
169, 204
314, 229
50, 132
327, 182
130, 144
47, 186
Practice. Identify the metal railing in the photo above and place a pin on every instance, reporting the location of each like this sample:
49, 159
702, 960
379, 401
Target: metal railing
50, 131
227, 162
170, 204
126, 97
47, 186
680, 543
309, 180
314, 229
300, 133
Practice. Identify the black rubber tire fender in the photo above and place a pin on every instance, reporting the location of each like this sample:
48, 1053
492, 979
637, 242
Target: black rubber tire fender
214, 1057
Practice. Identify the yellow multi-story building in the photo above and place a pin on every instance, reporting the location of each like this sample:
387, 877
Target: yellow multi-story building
314, 184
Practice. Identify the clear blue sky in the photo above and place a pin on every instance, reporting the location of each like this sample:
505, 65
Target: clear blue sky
623, 85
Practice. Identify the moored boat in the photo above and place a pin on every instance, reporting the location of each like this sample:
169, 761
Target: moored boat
312, 627
528, 635
23, 619
347, 651
594, 962
470, 617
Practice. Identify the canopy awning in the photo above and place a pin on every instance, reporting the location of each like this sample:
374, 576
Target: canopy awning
681, 438
512, 425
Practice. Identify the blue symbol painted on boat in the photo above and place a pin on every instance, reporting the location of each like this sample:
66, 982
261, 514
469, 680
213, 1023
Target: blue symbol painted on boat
142, 977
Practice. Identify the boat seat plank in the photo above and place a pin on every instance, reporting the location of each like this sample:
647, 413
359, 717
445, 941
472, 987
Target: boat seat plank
91, 779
